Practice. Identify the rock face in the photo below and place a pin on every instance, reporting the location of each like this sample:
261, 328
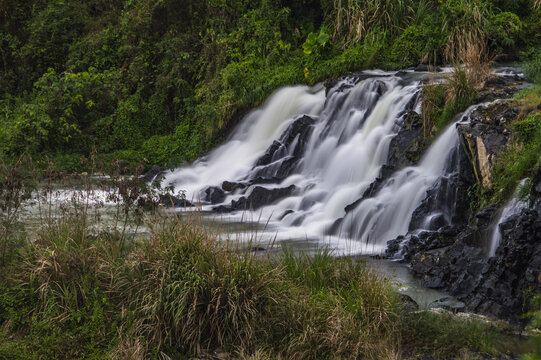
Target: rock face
261, 196
452, 254
485, 136
407, 146
283, 156
278, 162
457, 261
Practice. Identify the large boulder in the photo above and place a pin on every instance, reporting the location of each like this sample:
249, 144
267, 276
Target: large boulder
485, 136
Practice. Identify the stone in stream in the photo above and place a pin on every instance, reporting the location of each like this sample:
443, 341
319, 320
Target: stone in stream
214, 195
155, 173
261, 196
229, 186
173, 201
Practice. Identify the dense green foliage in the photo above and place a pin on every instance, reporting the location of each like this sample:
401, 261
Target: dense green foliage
521, 157
165, 80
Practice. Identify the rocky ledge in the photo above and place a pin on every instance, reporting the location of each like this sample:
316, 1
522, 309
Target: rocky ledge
454, 256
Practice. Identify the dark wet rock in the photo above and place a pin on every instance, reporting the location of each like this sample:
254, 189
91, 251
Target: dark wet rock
261, 196
447, 200
269, 154
456, 261
485, 217
155, 173
173, 201
407, 146
222, 209
214, 195
454, 258
283, 155
499, 87
515, 270
232, 186
482, 141
448, 303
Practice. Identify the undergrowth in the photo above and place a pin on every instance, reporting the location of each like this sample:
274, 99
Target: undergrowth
521, 158
181, 293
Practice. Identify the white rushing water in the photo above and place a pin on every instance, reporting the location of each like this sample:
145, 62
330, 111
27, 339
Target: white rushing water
344, 153
237, 156
388, 213
513, 207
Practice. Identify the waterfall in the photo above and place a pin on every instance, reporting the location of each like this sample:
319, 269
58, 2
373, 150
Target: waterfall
310, 156
513, 207
388, 214
236, 157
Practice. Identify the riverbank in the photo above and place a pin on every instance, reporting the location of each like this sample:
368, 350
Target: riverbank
181, 294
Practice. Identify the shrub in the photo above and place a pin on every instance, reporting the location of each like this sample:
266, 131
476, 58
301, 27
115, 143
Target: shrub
418, 44
188, 293
443, 334
504, 30
519, 160
532, 69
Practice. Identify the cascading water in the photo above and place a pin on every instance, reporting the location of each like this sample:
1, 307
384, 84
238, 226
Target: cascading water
513, 207
311, 156
236, 157
345, 152
388, 214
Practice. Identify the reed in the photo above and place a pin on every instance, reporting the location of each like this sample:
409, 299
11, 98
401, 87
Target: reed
355, 19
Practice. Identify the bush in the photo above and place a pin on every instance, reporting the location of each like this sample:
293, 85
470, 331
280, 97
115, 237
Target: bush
532, 69
519, 160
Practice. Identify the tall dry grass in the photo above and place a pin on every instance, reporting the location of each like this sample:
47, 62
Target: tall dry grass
355, 19
469, 28
472, 63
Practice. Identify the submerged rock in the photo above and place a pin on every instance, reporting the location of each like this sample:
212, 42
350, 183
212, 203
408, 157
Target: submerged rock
261, 196
154, 174
173, 201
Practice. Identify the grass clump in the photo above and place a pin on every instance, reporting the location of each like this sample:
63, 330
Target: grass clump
76, 291
348, 310
471, 69
443, 334
532, 69
189, 293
